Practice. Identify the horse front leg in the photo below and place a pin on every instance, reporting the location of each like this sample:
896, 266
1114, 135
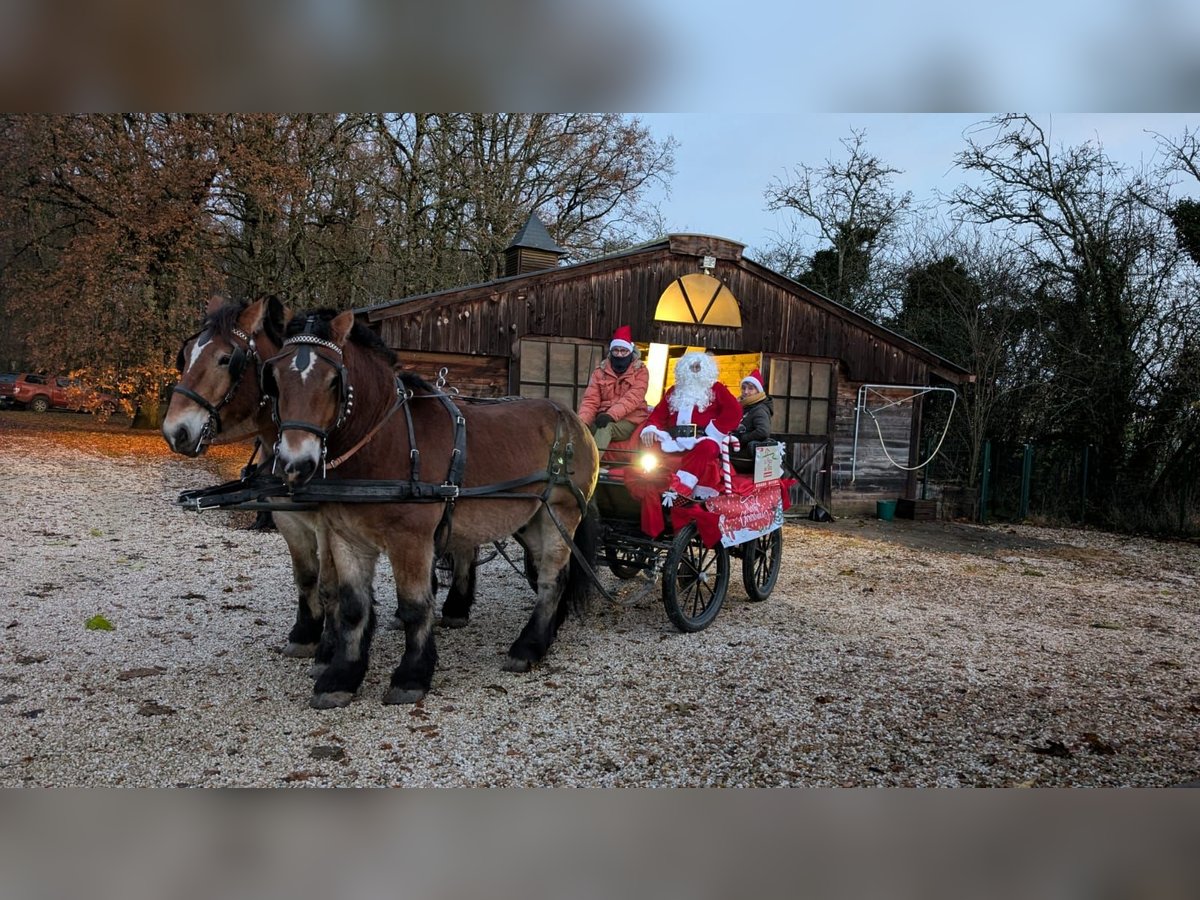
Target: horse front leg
349, 634
456, 611
548, 562
306, 572
412, 679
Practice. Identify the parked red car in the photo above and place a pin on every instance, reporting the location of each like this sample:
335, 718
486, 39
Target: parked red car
43, 392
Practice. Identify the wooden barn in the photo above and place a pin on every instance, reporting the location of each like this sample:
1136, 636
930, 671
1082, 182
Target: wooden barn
846, 391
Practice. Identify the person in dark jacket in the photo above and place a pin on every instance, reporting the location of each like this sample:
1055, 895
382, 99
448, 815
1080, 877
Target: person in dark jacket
757, 411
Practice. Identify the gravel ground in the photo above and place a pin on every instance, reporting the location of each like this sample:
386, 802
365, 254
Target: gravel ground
890, 654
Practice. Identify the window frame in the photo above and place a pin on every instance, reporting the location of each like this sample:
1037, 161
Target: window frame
526, 387
783, 400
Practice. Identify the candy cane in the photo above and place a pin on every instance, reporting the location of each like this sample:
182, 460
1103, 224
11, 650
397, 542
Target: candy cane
726, 469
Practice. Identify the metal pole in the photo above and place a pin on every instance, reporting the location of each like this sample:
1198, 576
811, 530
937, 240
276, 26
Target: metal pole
1026, 477
984, 482
857, 415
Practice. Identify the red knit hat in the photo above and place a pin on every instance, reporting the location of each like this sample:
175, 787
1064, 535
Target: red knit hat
622, 337
755, 378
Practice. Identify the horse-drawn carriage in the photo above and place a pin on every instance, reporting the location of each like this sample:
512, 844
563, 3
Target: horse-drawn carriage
691, 543
326, 395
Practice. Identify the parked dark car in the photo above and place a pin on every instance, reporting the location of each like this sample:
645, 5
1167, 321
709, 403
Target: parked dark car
44, 392
6, 388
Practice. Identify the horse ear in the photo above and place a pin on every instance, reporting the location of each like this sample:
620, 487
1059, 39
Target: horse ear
215, 302
251, 318
340, 327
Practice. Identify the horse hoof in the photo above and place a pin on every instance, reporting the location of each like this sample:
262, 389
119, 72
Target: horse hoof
399, 695
300, 651
330, 700
316, 669
512, 664
452, 622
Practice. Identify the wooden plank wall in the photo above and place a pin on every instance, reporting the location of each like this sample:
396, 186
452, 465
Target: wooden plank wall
475, 376
875, 477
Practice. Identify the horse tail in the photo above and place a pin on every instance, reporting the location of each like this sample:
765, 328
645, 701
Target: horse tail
578, 591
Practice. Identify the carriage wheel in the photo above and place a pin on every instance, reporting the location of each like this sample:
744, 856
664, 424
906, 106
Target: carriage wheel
695, 579
761, 560
626, 562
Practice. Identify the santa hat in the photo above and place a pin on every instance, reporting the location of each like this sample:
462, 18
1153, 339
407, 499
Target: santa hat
754, 378
622, 337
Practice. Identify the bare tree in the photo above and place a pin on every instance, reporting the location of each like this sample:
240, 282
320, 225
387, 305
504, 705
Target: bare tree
462, 185
1105, 263
968, 299
854, 210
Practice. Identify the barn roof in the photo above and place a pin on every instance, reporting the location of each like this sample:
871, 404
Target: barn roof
534, 236
730, 251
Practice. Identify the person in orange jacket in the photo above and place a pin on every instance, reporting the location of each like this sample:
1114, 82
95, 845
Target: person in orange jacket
614, 404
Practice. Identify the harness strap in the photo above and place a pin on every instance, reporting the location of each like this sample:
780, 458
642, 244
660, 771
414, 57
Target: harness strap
400, 401
577, 553
413, 453
458, 456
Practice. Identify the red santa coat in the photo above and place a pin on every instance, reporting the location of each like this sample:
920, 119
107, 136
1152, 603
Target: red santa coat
714, 422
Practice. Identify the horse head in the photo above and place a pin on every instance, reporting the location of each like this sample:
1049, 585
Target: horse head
310, 389
218, 393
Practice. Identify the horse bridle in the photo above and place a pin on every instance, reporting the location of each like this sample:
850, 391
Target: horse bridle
345, 390
239, 359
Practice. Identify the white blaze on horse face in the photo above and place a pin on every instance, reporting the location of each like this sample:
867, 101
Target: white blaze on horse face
197, 350
185, 419
307, 370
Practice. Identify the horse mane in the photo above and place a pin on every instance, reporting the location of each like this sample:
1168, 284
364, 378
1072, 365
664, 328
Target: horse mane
416, 382
225, 319
316, 322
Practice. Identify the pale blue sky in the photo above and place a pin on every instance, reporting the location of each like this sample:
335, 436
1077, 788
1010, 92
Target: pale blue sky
725, 161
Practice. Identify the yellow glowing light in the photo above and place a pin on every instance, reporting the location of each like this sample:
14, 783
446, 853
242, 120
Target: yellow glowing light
656, 363
698, 299
648, 462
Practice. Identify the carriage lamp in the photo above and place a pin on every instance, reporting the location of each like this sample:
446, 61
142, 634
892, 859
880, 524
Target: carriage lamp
648, 462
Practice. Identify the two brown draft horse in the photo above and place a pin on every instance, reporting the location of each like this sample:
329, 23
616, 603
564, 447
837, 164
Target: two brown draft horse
524, 467
219, 399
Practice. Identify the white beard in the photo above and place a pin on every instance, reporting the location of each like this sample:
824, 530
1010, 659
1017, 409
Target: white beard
692, 391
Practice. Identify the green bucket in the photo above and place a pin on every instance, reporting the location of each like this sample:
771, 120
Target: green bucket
885, 509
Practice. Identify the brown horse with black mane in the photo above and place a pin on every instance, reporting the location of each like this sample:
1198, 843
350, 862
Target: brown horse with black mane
219, 399
338, 398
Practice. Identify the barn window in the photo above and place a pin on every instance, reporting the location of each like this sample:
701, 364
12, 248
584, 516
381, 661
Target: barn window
557, 369
800, 391
698, 299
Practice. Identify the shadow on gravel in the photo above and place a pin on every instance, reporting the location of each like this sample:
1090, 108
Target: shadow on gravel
949, 537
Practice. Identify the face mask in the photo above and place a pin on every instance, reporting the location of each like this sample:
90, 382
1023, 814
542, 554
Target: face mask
620, 363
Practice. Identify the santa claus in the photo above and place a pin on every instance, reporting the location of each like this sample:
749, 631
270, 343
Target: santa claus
693, 418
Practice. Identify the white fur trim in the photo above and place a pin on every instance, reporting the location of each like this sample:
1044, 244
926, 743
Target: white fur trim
714, 432
685, 415
687, 478
750, 379
652, 430
617, 342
